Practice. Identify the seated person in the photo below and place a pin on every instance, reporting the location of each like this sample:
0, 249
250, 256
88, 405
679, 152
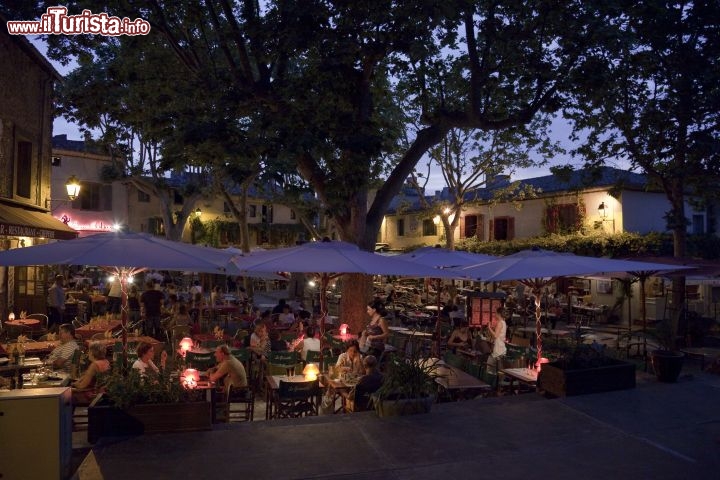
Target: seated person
228, 369
277, 344
144, 362
83, 390
367, 385
180, 319
350, 360
460, 337
308, 343
286, 318
260, 341
61, 357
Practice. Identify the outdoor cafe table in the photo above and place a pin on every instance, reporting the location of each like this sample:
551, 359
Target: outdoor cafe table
522, 375
586, 311
702, 353
46, 379
555, 332
338, 388
29, 323
110, 342
201, 338
31, 348
15, 370
272, 384
346, 337
458, 382
94, 327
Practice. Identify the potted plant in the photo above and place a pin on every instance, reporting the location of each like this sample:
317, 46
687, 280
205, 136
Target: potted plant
585, 369
408, 387
132, 404
667, 361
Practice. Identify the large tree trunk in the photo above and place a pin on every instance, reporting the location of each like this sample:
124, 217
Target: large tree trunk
677, 223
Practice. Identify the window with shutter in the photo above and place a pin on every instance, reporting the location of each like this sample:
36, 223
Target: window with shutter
562, 218
502, 228
471, 225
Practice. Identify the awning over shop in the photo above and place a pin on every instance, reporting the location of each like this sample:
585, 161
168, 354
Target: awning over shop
22, 222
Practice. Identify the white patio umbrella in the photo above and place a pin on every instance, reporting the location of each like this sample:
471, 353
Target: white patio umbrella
124, 254
329, 259
537, 268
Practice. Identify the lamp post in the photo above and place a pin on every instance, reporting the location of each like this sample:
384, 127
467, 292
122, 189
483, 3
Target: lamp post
72, 187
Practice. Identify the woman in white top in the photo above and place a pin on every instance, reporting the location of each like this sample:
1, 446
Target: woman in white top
308, 343
145, 359
498, 333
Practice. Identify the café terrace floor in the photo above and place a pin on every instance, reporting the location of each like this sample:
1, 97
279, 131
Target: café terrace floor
657, 431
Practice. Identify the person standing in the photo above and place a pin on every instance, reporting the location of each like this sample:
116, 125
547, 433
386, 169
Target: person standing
56, 302
114, 297
377, 330
498, 333
151, 301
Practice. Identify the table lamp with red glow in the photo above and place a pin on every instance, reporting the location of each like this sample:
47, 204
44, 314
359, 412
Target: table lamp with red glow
190, 378
185, 345
11, 317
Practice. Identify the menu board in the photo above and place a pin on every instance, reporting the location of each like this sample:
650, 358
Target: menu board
481, 307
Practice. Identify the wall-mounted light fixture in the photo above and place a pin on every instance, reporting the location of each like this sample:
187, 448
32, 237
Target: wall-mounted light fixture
198, 212
603, 210
72, 186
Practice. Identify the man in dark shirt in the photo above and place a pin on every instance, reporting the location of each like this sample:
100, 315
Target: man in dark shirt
358, 399
151, 301
279, 307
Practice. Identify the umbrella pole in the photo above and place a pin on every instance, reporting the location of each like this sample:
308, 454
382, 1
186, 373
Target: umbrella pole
538, 328
324, 281
643, 315
122, 275
436, 343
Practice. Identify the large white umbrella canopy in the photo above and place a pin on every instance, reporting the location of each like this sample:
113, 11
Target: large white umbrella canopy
537, 268
122, 250
233, 269
443, 258
334, 257
329, 259
123, 253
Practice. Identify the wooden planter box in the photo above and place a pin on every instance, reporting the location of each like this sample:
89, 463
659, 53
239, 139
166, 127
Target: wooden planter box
560, 383
108, 420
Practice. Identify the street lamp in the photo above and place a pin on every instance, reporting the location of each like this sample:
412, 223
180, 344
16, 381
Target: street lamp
72, 186
198, 212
